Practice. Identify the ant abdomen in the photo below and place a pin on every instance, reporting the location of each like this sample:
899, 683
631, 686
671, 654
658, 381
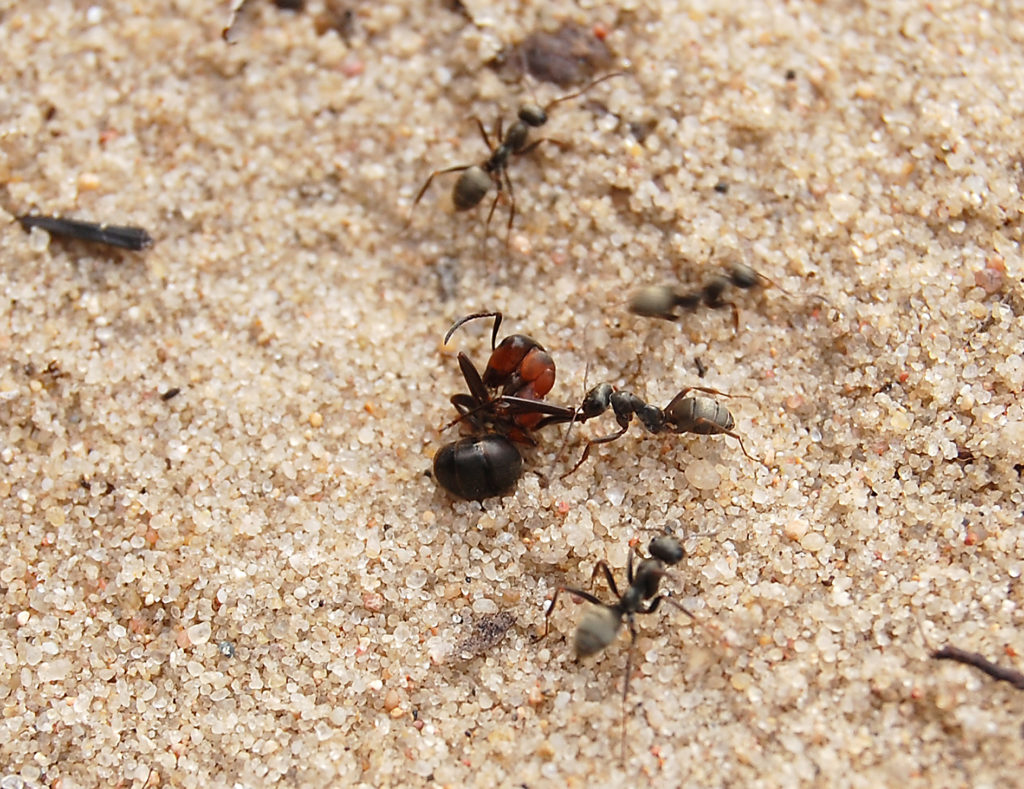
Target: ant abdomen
470, 188
703, 416
596, 630
478, 467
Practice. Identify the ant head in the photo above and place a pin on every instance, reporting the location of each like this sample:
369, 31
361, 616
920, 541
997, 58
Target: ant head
743, 276
667, 548
533, 115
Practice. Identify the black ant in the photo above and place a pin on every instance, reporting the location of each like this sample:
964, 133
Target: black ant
599, 626
503, 406
685, 413
476, 180
660, 301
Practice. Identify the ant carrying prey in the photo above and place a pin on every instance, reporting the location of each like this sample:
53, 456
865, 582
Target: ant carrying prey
599, 625
685, 413
476, 180
503, 406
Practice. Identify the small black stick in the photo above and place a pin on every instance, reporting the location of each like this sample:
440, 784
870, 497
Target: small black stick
1015, 678
134, 238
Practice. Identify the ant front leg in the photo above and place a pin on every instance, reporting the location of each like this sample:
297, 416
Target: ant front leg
592, 442
483, 132
602, 566
560, 143
473, 379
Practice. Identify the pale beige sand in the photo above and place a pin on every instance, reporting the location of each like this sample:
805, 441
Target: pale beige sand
278, 506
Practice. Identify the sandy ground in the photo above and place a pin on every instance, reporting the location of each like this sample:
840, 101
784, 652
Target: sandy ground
256, 581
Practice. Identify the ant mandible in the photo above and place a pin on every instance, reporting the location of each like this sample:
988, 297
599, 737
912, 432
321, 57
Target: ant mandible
599, 626
503, 406
476, 180
685, 413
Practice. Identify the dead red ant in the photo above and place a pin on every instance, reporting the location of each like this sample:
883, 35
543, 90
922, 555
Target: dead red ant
476, 180
503, 406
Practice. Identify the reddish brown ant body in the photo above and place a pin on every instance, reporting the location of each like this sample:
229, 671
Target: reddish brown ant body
503, 406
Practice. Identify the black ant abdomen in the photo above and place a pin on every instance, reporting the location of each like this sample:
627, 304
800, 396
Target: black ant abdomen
478, 467
470, 188
702, 416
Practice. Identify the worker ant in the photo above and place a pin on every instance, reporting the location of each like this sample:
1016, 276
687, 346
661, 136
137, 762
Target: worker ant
476, 180
660, 301
503, 406
600, 625
685, 413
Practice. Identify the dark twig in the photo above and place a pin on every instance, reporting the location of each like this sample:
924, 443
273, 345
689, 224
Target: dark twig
1014, 677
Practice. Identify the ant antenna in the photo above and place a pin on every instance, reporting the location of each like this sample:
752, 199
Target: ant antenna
576, 413
581, 91
475, 316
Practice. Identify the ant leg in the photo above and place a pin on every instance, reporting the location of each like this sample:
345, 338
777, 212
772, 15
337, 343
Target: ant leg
761, 280
682, 393
653, 606
511, 205
465, 405
584, 89
673, 602
625, 686
483, 132
716, 430
590, 443
560, 143
426, 186
603, 567
578, 592
473, 379
499, 188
